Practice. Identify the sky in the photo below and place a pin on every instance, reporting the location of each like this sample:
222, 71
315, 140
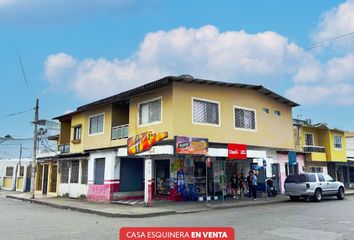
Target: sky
69, 53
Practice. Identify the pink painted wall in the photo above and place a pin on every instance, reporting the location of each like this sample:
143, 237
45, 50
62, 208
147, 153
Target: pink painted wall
102, 193
282, 159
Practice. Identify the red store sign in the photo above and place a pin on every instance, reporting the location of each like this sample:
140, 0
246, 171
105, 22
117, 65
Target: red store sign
237, 151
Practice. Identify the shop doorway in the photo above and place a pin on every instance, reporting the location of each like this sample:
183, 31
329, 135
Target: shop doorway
162, 177
275, 172
45, 180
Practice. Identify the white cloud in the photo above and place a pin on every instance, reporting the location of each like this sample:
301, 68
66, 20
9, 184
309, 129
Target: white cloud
44, 11
336, 22
203, 52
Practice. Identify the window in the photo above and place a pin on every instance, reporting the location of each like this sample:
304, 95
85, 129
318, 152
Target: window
64, 172
96, 124
74, 177
266, 110
99, 171
22, 171
276, 112
9, 171
291, 169
84, 172
311, 177
205, 112
315, 169
77, 133
337, 141
328, 178
150, 112
321, 178
245, 118
308, 139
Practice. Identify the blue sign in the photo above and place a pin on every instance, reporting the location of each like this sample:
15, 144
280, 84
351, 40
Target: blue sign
292, 158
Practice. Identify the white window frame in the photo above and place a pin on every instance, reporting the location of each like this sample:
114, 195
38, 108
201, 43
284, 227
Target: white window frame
341, 142
89, 124
249, 109
210, 101
313, 139
147, 101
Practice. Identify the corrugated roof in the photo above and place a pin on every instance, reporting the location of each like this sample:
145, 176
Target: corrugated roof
124, 96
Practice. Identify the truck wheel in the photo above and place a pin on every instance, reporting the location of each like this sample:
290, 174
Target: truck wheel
318, 195
340, 194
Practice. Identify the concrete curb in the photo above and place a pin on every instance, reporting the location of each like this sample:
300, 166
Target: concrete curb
89, 211
155, 214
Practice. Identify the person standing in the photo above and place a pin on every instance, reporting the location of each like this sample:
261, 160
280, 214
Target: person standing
249, 184
254, 186
234, 185
242, 185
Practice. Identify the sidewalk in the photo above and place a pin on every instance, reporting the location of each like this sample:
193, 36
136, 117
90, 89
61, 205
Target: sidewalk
159, 208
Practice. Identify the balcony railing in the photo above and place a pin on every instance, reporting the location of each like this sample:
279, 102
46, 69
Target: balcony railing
308, 148
64, 148
120, 132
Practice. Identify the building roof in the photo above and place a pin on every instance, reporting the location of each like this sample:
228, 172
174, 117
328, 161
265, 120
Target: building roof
124, 96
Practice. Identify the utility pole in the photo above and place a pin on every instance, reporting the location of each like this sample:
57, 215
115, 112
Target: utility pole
34, 154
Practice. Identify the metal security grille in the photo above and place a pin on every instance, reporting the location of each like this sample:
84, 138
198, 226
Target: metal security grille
64, 172
84, 172
99, 171
205, 112
308, 139
245, 119
74, 177
337, 141
150, 112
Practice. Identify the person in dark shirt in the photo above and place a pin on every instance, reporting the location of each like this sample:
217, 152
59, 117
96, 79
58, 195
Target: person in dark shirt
234, 185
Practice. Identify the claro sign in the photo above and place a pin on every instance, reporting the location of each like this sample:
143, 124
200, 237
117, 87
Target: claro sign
237, 151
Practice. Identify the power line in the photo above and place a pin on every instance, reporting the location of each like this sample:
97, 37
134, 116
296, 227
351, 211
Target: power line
17, 113
23, 71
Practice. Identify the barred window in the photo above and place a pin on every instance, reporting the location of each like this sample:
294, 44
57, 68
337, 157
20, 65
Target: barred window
9, 171
308, 139
96, 124
205, 112
277, 112
74, 176
337, 141
245, 118
64, 172
84, 172
150, 112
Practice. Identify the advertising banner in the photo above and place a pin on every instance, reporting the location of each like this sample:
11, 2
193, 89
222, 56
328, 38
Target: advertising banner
237, 151
192, 146
144, 141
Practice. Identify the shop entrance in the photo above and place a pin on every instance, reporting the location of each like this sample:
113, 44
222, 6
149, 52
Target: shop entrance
45, 179
162, 177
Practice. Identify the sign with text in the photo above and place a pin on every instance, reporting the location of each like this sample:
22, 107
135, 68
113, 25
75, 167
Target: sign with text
192, 146
237, 151
144, 141
180, 233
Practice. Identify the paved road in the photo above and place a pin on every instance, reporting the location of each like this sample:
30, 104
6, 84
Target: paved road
330, 219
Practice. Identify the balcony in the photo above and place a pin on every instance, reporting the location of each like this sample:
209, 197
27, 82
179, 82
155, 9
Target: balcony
64, 148
316, 149
120, 132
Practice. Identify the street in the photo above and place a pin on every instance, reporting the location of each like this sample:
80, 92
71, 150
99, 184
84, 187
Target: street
330, 219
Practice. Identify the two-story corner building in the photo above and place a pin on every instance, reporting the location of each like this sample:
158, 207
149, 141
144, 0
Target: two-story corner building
93, 139
349, 137
324, 147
